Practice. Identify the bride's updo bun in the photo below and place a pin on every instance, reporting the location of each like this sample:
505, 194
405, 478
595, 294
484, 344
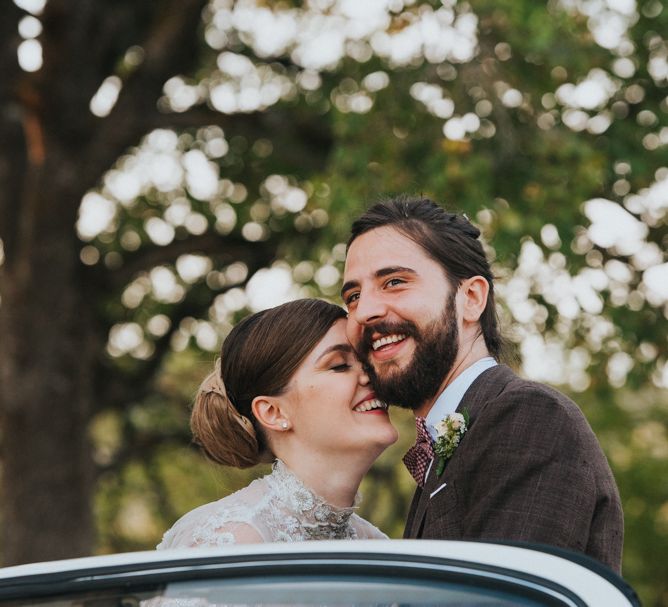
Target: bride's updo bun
259, 357
226, 436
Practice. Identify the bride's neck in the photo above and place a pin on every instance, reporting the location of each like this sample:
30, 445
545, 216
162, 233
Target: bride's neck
336, 484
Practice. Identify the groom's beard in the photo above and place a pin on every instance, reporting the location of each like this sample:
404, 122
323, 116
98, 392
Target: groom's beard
435, 353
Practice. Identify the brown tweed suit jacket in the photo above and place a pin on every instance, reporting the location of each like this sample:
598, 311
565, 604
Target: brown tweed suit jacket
529, 468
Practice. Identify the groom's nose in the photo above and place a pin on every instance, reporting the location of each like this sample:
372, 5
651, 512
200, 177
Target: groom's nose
370, 309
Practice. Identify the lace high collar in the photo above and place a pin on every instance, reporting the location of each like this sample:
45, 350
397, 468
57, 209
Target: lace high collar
312, 512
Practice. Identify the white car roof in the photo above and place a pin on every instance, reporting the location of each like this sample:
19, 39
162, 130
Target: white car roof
593, 588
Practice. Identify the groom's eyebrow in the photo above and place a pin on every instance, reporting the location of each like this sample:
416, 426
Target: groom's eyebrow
382, 273
348, 285
393, 270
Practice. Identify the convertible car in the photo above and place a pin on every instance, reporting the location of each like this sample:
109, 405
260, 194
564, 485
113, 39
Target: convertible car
338, 573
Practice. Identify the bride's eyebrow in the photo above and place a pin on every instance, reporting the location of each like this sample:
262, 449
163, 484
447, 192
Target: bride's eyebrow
345, 348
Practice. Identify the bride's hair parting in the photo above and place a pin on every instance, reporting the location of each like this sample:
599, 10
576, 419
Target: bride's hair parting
259, 357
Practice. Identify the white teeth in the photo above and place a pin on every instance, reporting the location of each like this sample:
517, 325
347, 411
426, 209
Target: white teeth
389, 339
367, 405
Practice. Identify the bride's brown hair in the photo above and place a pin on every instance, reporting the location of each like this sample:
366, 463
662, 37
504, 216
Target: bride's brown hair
258, 358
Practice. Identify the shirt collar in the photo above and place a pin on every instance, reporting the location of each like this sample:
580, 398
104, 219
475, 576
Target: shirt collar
450, 398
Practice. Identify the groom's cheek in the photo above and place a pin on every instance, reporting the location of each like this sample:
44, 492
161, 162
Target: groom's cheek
354, 332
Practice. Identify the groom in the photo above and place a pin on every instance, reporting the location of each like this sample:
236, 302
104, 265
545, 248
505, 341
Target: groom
528, 468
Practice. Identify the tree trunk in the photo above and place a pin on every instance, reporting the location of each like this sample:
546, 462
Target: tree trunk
47, 362
53, 151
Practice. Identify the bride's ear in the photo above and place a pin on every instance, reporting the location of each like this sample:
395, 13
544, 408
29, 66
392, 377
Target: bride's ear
269, 413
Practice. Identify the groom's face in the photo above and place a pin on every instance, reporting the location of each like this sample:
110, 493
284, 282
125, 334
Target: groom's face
402, 317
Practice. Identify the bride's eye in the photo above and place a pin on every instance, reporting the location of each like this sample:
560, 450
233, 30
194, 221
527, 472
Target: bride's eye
340, 368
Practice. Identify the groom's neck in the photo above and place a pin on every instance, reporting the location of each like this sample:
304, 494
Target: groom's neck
468, 356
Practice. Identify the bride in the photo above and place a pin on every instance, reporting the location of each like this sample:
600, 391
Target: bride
289, 389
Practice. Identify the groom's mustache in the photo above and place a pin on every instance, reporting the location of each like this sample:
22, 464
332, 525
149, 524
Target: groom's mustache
405, 327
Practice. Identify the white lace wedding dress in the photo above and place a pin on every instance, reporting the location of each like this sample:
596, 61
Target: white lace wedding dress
275, 508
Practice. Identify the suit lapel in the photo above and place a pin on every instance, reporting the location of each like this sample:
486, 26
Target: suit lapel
432, 484
482, 390
408, 529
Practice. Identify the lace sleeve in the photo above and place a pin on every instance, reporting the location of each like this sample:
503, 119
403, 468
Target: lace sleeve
365, 530
211, 536
228, 521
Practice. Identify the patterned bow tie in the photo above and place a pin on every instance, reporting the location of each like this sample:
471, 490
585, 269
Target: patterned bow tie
419, 456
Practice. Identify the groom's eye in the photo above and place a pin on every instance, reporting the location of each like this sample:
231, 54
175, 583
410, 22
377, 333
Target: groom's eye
351, 298
393, 282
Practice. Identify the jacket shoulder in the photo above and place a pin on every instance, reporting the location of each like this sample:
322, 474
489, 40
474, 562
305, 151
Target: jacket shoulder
512, 390
504, 399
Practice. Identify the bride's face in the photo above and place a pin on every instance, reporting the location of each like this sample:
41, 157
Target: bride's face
332, 407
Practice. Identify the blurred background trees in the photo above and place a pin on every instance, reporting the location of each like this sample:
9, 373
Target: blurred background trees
167, 166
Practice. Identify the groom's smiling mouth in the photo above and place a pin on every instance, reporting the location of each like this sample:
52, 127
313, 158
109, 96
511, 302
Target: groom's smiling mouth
384, 340
388, 347
387, 340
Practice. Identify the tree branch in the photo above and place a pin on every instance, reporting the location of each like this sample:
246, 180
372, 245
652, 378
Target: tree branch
473, 74
201, 115
121, 389
118, 389
169, 49
140, 445
225, 248
305, 138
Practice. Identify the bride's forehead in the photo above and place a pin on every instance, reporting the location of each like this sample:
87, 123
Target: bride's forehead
335, 335
334, 340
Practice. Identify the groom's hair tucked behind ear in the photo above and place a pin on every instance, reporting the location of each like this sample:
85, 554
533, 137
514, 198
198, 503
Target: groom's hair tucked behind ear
449, 239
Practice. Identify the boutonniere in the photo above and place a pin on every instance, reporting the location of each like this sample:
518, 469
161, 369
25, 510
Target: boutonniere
449, 432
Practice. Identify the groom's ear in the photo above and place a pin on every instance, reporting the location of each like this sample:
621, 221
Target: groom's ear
269, 413
474, 293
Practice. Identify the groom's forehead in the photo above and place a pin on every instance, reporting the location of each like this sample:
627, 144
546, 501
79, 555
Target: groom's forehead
377, 250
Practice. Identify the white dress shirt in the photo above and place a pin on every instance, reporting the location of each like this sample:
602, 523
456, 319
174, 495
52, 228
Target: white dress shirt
450, 398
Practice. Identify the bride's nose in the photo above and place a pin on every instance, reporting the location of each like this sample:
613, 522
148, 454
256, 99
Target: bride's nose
363, 378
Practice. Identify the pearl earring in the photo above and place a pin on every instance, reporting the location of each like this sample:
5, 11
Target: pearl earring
284, 425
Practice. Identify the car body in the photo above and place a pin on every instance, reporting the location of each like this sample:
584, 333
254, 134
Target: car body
380, 572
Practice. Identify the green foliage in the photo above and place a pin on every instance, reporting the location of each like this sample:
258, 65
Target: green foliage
524, 172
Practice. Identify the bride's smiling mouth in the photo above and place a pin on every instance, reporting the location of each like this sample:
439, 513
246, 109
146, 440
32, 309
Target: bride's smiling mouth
370, 404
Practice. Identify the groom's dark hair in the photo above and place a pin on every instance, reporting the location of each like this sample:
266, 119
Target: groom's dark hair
449, 239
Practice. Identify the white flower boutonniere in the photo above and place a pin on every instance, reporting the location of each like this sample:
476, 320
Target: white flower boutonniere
450, 431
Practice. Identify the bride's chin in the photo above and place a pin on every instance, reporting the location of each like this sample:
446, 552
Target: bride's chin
384, 436
387, 440
390, 441
391, 435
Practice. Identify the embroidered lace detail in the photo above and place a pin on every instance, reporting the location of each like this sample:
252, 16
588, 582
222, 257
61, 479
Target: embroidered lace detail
275, 508
304, 515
